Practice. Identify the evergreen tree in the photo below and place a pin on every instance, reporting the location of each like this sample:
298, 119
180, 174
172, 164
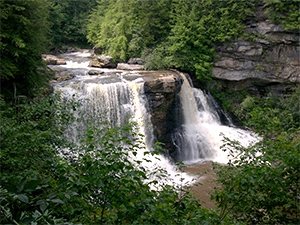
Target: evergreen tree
24, 29
190, 46
69, 21
109, 27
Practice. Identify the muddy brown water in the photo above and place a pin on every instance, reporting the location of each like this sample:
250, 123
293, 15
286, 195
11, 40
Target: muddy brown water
206, 182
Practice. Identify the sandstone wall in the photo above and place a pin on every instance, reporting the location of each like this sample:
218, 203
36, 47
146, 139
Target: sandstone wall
268, 63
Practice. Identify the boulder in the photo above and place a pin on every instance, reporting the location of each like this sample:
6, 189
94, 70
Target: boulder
53, 60
96, 64
62, 76
95, 72
103, 61
126, 66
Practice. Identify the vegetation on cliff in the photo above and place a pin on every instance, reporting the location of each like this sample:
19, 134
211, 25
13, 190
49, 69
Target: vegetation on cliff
179, 34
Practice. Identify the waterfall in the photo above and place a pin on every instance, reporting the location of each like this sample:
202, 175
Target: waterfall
200, 136
117, 97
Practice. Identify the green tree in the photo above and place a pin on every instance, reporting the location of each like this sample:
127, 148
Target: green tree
190, 48
125, 28
111, 30
68, 20
24, 30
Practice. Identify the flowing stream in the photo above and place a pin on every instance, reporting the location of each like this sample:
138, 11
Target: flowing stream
119, 95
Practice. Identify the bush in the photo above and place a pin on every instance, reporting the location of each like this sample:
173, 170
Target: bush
260, 185
95, 180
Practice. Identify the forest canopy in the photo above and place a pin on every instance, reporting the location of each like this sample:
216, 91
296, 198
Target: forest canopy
165, 33
176, 33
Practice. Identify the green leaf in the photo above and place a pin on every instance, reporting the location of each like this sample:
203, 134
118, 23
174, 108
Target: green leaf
57, 201
43, 204
23, 198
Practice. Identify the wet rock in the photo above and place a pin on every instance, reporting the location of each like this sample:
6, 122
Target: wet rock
62, 76
161, 91
103, 61
126, 66
95, 72
53, 60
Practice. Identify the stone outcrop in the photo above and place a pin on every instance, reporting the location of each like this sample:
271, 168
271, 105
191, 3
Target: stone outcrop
163, 101
60, 74
53, 60
95, 72
269, 63
103, 61
126, 66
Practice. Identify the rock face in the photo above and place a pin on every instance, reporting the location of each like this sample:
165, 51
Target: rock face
163, 102
270, 63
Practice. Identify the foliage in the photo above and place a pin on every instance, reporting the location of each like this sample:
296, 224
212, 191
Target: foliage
124, 28
178, 34
29, 136
24, 29
96, 180
285, 13
190, 48
260, 185
68, 21
168, 34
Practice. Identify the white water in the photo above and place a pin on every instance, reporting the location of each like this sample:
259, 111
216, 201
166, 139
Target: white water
119, 94
117, 98
202, 133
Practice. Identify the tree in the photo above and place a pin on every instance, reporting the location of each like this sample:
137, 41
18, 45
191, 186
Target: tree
24, 30
68, 21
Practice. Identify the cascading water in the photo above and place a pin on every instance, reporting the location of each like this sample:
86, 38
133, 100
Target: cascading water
200, 137
117, 95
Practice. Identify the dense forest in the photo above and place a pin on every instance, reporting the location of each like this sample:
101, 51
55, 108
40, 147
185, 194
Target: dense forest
39, 185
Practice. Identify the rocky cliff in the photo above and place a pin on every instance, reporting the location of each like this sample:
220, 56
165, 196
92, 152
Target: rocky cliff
164, 105
269, 62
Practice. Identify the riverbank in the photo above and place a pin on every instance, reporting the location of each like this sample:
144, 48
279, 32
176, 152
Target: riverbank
205, 184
